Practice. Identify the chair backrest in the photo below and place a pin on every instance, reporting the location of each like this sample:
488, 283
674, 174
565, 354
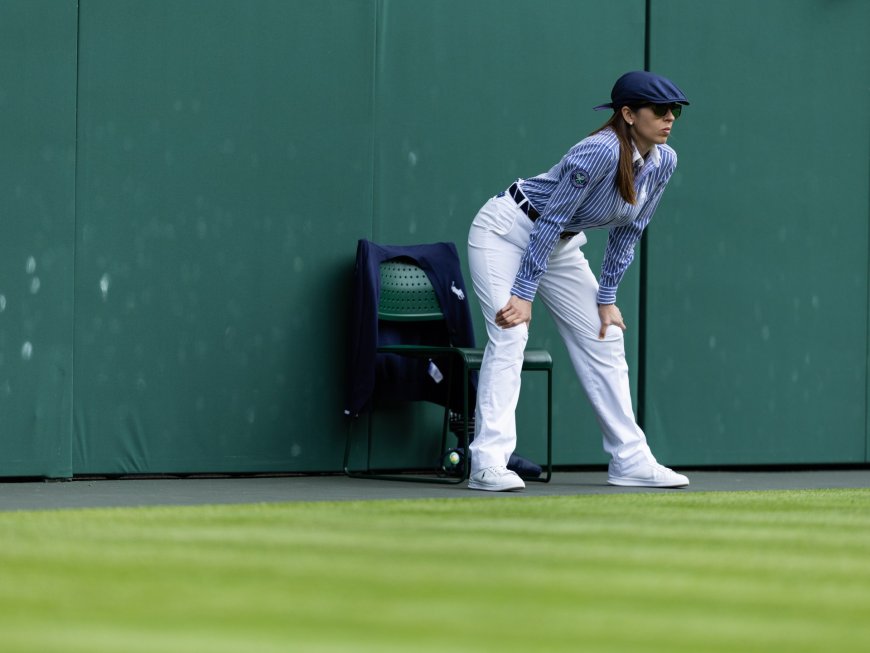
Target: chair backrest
406, 293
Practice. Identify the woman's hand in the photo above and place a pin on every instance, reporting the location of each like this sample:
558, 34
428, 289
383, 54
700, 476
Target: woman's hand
610, 316
515, 312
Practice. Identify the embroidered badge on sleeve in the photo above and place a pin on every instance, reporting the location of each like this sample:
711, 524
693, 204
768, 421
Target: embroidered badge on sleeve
579, 178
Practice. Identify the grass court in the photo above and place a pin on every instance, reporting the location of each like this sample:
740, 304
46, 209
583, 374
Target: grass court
656, 572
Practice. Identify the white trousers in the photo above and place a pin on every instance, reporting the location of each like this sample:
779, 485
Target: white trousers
496, 242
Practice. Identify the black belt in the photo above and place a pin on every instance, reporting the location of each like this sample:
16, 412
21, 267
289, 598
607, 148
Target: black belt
523, 202
526, 207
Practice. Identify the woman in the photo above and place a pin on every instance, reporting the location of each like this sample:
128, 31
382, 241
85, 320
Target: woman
525, 244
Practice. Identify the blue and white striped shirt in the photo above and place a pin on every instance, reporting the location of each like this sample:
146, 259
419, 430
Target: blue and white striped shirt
580, 193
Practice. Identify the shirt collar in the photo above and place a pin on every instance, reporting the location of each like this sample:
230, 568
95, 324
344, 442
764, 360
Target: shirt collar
654, 156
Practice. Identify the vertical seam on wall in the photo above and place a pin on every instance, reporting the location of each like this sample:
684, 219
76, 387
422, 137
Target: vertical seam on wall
72, 416
866, 347
375, 122
644, 253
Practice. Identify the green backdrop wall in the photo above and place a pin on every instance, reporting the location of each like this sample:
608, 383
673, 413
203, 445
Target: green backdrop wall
224, 174
37, 219
186, 181
758, 269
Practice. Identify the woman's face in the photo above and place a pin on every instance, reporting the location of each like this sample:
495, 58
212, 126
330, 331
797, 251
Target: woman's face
647, 127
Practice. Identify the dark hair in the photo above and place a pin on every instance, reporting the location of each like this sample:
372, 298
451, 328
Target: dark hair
625, 168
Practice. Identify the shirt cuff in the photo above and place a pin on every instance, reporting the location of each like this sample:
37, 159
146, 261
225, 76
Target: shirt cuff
524, 289
606, 295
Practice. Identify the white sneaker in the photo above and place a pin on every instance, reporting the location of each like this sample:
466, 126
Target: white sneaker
495, 479
648, 475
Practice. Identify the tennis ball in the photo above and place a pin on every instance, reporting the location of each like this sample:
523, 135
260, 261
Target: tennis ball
453, 457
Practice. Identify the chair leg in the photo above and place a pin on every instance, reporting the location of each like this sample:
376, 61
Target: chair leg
549, 467
347, 448
445, 426
466, 439
549, 425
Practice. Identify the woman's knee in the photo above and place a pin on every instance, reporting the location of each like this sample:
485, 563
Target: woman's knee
507, 345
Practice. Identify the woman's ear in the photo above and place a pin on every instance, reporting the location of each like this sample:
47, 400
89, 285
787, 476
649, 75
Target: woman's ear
628, 115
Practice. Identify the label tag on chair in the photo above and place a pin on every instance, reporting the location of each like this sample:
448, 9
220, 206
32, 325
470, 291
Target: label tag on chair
434, 372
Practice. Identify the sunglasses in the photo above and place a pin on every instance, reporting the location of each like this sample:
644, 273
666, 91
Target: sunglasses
661, 110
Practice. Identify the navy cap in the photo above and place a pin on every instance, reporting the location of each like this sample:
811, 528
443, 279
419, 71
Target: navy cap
640, 86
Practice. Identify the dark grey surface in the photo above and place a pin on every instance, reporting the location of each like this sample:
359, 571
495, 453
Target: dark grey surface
200, 491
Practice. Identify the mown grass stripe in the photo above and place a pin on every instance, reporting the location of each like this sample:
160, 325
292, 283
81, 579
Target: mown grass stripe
767, 572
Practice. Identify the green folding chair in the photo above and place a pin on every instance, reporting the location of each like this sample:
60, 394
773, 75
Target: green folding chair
407, 295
